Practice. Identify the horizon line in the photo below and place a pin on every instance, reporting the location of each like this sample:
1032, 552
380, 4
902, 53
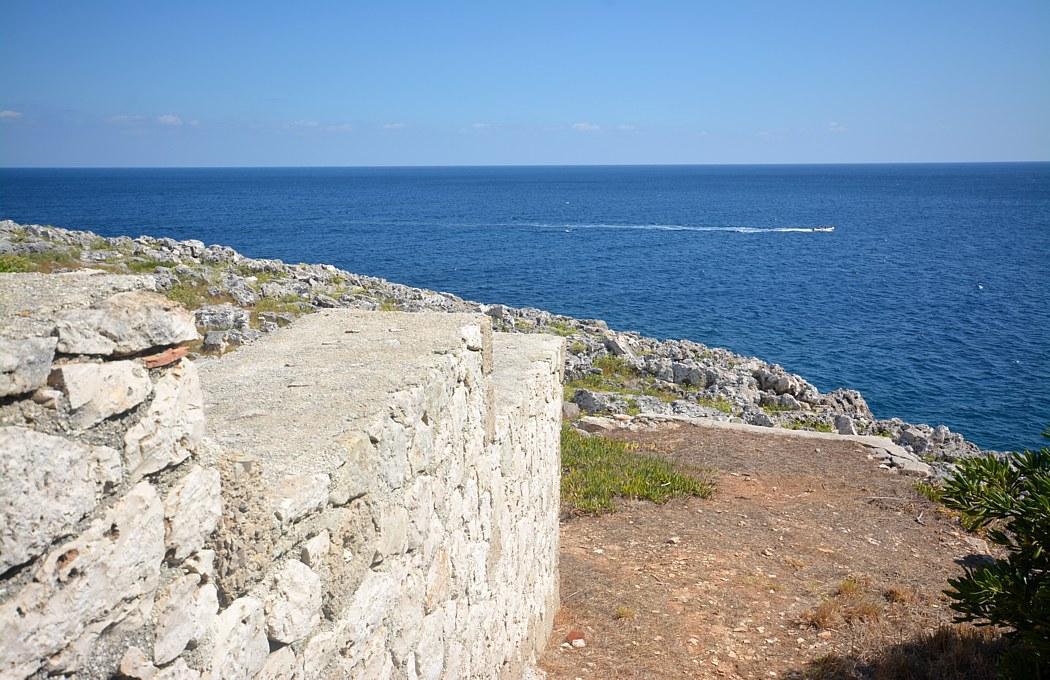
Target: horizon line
511, 165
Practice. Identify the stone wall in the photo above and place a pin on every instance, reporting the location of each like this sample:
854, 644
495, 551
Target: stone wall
375, 495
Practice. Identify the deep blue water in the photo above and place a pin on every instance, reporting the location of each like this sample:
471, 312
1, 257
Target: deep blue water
931, 296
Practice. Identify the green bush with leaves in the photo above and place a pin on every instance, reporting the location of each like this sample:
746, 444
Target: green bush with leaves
1009, 498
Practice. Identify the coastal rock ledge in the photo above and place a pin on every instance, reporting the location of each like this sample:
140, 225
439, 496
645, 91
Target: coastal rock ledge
237, 299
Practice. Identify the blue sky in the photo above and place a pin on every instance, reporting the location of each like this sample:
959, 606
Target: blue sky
399, 83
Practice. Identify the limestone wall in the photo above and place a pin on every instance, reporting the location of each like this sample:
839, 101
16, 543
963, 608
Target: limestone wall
373, 495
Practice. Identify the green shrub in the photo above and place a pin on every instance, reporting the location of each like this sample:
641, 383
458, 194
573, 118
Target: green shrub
1010, 499
809, 424
10, 264
560, 328
596, 470
46, 262
718, 403
145, 265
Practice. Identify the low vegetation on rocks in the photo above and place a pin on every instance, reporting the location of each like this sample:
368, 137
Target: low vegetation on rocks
596, 471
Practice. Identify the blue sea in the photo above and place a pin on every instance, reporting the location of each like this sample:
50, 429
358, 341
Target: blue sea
931, 295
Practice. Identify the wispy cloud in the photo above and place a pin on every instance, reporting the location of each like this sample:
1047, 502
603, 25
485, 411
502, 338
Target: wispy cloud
8, 114
340, 127
836, 127
586, 127
394, 126
482, 126
125, 119
308, 124
169, 119
626, 127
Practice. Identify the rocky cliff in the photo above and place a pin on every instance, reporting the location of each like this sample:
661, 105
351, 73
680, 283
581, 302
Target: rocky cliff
238, 299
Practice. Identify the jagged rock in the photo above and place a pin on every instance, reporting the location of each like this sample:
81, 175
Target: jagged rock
617, 346
847, 402
570, 410
192, 511
280, 665
83, 587
202, 563
98, 391
185, 612
315, 549
136, 665
915, 438
243, 337
214, 341
293, 606
299, 495
758, 418
221, 317
599, 402
239, 646
171, 427
688, 374
179, 670
844, 425
47, 484
24, 364
125, 323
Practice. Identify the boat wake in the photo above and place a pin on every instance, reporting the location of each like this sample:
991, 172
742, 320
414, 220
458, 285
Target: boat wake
683, 227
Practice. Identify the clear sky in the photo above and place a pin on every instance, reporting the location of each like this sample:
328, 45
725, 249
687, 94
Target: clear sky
573, 81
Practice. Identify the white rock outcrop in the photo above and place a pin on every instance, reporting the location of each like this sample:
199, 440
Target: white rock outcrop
239, 641
172, 425
192, 510
24, 364
123, 324
97, 391
47, 485
293, 606
84, 587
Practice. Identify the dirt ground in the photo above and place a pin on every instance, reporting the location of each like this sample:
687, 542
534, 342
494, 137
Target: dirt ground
807, 560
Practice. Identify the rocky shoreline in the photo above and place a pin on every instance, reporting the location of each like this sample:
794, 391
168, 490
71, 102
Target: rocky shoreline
237, 299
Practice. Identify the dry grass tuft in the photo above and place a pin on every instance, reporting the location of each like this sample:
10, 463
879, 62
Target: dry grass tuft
623, 613
948, 653
899, 595
850, 603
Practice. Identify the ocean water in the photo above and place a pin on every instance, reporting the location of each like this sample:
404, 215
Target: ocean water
931, 295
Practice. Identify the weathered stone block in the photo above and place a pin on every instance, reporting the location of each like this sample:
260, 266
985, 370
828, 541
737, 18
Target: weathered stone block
192, 511
185, 612
171, 427
293, 606
98, 391
299, 495
125, 323
47, 484
24, 364
84, 586
239, 647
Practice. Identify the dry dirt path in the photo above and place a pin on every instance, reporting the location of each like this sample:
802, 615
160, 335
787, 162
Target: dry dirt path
807, 558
